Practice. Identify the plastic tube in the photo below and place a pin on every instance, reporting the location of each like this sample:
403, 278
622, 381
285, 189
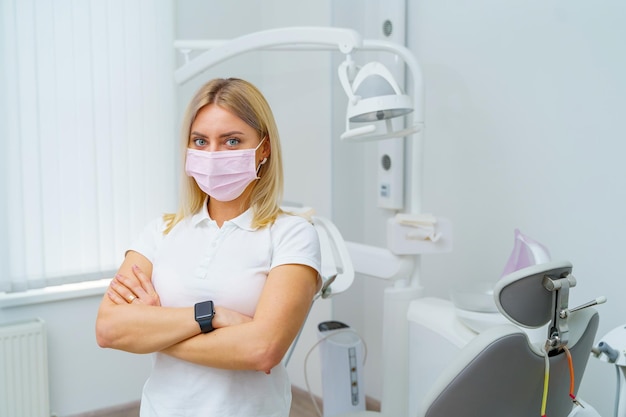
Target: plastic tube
546, 382
570, 362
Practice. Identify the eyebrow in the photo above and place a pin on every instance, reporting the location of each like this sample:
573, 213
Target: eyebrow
194, 133
223, 135
234, 132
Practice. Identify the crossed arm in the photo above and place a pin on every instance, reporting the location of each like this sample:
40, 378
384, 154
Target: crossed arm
142, 325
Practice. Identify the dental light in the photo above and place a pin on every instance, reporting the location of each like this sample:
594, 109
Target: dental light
365, 104
373, 96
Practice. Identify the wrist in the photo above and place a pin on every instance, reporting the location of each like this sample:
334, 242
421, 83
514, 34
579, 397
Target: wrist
225, 317
204, 313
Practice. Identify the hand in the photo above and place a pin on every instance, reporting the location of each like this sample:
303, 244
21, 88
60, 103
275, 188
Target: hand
134, 289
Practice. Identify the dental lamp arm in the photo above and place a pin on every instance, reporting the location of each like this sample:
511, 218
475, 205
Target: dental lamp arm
344, 40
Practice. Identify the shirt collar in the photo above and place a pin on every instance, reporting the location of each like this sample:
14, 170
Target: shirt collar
243, 221
201, 215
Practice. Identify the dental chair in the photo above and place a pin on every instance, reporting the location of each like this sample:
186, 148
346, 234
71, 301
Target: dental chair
501, 373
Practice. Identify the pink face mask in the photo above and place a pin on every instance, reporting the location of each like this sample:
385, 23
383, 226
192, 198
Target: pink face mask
223, 175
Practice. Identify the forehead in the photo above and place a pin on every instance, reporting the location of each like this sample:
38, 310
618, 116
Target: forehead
212, 118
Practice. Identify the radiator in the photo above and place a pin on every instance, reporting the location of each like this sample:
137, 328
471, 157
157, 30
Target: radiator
24, 370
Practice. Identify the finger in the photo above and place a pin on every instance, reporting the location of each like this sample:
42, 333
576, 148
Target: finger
119, 286
115, 297
146, 282
132, 285
153, 298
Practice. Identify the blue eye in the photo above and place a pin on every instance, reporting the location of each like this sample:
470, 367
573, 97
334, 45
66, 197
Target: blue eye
232, 141
199, 142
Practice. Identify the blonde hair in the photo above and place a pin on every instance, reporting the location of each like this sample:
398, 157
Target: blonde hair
244, 100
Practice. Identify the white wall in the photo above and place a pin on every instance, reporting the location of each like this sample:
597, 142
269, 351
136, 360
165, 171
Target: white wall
524, 102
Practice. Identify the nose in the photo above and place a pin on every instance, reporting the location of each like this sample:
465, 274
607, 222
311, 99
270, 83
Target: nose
213, 146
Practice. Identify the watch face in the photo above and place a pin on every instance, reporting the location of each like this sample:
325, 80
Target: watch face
204, 310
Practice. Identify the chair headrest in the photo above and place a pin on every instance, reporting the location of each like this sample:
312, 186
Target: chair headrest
521, 296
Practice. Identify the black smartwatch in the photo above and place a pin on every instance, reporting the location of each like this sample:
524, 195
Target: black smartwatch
204, 315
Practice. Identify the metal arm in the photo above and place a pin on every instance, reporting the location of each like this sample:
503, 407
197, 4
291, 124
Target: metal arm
558, 335
344, 40
558, 332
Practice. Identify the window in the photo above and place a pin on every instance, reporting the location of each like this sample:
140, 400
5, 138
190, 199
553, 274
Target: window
87, 134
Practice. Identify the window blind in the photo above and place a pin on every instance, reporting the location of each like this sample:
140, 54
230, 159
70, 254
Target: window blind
88, 136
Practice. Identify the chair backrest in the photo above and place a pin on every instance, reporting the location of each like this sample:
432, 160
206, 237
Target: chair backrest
500, 373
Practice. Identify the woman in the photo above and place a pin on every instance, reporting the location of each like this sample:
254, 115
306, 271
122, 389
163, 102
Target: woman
220, 289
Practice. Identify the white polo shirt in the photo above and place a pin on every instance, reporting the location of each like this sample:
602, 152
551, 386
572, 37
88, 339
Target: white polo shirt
198, 261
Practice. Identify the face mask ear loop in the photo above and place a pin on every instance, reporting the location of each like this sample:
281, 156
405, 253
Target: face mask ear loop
259, 168
260, 143
264, 159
